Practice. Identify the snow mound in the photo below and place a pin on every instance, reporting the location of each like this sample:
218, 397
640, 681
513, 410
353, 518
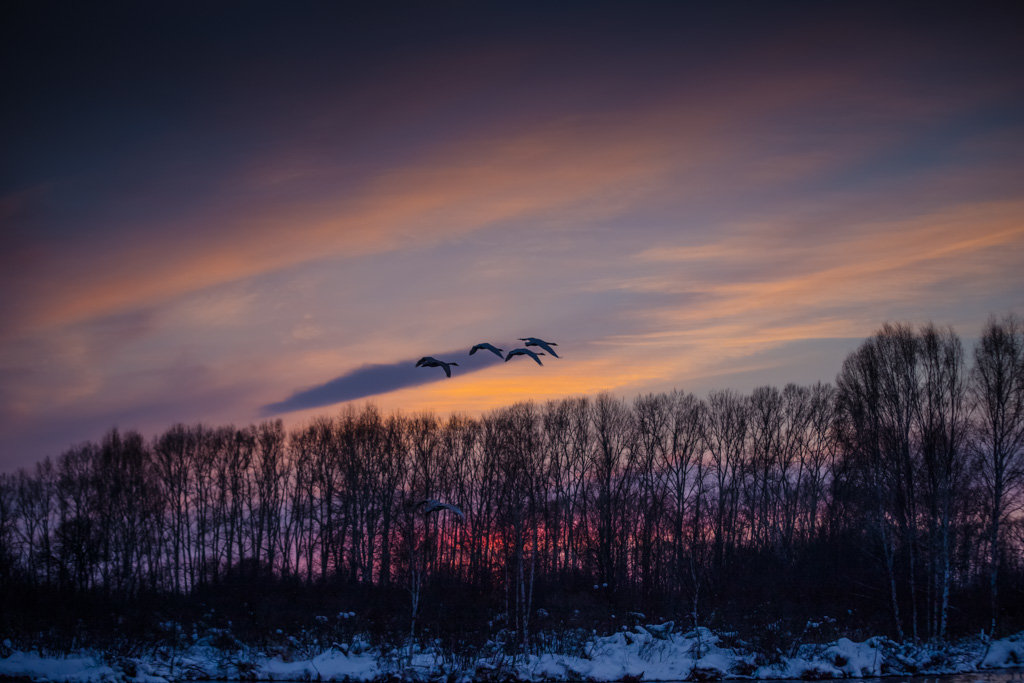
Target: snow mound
57, 669
842, 659
332, 665
1005, 653
652, 653
855, 660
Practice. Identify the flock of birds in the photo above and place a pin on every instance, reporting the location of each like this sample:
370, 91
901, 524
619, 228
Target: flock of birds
431, 362
429, 505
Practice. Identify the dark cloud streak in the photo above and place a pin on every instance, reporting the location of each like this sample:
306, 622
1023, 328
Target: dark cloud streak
371, 380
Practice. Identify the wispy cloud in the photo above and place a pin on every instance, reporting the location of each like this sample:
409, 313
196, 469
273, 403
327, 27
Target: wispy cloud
373, 380
571, 165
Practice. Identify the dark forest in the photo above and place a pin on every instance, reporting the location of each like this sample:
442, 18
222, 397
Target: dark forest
887, 503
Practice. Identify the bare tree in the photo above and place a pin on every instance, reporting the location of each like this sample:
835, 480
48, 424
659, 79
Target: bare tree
998, 389
861, 427
8, 526
725, 437
943, 426
819, 454
613, 461
684, 464
654, 428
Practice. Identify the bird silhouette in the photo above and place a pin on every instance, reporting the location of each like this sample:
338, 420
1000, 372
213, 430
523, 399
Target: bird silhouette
431, 362
428, 505
523, 352
534, 341
486, 347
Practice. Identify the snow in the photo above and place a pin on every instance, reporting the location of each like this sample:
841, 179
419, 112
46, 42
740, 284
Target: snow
842, 659
71, 669
855, 660
332, 665
651, 652
1008, 652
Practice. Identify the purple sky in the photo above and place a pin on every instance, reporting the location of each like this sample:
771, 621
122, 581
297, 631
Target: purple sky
247, 211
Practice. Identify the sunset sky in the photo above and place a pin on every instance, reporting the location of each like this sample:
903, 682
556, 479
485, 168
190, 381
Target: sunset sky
229, 213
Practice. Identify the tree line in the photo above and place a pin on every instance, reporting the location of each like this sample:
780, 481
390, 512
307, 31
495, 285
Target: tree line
897, 490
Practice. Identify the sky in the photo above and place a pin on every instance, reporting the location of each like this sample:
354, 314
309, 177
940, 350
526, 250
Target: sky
228, 212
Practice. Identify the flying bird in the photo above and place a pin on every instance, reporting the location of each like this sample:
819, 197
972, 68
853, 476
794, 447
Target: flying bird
487, 347
431, 362
523, 352
534, 341
428, 505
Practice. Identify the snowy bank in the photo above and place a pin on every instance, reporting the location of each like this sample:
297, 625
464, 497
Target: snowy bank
651, 653
644, 654
71, 669
1005, 653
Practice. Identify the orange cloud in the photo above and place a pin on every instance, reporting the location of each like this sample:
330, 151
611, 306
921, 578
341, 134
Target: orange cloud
505, 384
570, 168
889, 260
837, 287
439, 198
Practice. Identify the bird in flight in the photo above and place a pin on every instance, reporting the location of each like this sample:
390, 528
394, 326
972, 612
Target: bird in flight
486, 347
431, 362
429, 505
523, 352
534, 341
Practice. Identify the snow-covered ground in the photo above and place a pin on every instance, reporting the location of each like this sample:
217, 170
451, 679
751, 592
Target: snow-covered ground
651, 653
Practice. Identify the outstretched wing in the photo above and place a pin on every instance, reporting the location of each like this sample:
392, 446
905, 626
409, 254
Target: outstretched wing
438, 506
523, 352
447, 369
430, 505
487, 346
544, 345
